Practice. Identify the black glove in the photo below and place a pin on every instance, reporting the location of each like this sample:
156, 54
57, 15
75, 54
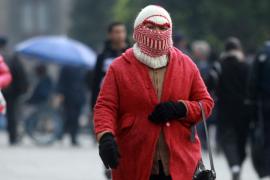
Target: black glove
167, 111
108, 151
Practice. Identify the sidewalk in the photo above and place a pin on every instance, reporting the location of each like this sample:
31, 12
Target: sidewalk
62, 162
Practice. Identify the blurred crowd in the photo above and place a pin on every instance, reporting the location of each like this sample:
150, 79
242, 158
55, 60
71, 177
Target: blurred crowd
238, 81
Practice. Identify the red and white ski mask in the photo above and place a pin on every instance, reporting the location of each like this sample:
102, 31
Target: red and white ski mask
152, 46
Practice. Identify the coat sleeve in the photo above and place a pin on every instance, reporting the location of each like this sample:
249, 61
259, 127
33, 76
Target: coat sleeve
198, 94
5, 75
106, 108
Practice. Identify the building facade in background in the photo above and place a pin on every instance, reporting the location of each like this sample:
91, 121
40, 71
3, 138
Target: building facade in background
22, 19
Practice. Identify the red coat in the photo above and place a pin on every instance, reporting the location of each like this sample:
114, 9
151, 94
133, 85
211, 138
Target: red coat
126, 99
5, 75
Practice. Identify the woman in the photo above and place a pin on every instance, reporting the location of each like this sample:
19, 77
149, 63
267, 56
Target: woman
147, 105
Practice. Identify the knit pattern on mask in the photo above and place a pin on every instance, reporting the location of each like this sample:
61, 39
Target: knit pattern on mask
153, 43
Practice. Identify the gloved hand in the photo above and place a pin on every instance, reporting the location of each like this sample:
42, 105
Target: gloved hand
108, 151
167, 111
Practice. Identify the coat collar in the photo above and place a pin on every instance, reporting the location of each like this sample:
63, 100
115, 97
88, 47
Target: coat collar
152, 62
129, 56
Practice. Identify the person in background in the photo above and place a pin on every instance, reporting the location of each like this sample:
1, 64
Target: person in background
43, 89
12, 93
71, 88
260, 95
200, 51
233, 112
18, 87
114, 46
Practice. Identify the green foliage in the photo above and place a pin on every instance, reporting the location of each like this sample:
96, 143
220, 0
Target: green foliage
122, 6
216, 20
90, 19
213, 20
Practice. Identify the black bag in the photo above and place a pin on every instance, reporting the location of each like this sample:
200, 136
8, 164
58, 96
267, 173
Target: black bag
201, 173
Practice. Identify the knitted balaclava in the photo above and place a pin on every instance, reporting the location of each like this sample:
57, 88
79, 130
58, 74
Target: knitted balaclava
152, 46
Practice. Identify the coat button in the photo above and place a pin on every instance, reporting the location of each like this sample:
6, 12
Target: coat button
168, 124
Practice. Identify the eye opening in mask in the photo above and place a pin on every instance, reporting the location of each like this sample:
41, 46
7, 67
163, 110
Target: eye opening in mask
156, 27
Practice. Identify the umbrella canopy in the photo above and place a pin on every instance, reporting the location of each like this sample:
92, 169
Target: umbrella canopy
57, 49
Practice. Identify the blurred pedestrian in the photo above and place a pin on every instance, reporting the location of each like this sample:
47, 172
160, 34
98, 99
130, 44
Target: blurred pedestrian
260, 94
12, 94
114, 46
200, 51
14, 91
147, 104
44, 88
233, 112
71, 87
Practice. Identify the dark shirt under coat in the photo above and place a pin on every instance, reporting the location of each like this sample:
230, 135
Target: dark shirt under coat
103, 62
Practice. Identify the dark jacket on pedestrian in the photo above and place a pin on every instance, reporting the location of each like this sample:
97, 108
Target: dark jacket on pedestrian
71, 85
42, 91
260, 85
103, 62
19, 83
233, 112
17, 88
232, 82
260, 96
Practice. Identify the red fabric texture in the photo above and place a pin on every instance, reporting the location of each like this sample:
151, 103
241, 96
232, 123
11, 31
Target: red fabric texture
152, 42
126, 99
5, 75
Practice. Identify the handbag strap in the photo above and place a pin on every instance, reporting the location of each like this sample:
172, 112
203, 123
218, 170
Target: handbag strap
207, 138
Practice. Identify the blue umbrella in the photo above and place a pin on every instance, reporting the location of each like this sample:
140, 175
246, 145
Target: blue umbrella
57, 49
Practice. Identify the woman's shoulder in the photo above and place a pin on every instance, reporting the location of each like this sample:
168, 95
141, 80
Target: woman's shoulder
123, 61
184, 59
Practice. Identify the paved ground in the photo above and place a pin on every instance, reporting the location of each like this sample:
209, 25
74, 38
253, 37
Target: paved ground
62, 162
